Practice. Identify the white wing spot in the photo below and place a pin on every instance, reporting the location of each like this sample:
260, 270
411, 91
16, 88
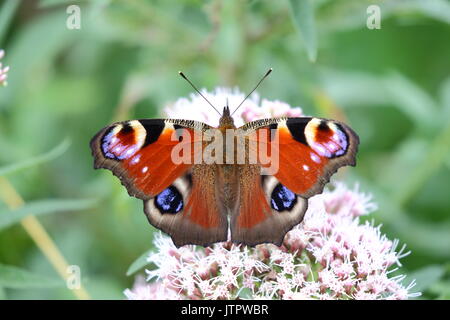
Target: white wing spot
305, 167
315, 158
144, 169
136, 159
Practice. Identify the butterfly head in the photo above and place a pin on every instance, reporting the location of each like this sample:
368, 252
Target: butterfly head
226, 120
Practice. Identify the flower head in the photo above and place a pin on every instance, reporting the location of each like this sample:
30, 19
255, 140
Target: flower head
3, 70
196, 108
330, 255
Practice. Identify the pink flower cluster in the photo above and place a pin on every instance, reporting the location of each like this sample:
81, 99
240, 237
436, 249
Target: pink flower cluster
3, 70
330, 255
196, 108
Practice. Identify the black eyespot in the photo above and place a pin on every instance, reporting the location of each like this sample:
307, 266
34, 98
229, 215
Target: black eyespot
179, 131
169, 200
153, 128
323, 126
297, 127
126, 128
272, 129
282, 198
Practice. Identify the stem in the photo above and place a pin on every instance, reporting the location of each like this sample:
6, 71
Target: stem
42, 239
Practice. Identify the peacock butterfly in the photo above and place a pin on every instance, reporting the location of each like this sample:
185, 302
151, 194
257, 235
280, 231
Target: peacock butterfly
199, 184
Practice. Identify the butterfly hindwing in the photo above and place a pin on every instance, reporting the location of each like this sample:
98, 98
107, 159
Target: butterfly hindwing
266, 211
189, 210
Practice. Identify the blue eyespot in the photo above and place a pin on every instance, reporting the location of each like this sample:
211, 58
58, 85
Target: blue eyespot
282, 198
169, 200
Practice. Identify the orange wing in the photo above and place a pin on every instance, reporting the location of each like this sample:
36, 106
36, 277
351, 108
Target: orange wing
180, 198
189, 210
299, 155
303, 152
139, 152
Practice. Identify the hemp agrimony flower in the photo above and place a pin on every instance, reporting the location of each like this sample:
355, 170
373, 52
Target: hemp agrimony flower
330, 255
3, 70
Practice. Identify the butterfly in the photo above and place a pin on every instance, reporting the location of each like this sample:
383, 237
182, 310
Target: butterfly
202, 202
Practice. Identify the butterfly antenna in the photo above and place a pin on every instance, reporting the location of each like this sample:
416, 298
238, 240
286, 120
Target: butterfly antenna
265, 76
198, 91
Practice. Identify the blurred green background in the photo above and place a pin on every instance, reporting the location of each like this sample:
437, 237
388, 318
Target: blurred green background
391, 85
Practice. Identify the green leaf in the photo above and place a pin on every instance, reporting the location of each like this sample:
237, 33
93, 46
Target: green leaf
430, 238
31, 52
41, 207
245, 293
16, 278
426, 277
303, 16
139, 263
50, 155
52, 3
6, 14
436, 9
444, 93
411, 99
441, 289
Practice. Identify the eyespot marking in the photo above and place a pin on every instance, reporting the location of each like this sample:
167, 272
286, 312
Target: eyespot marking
169, 200
282, 198
153, 129
123, 140
328, 139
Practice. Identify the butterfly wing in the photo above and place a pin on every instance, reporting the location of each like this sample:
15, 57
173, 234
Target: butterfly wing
179, 197
189, 210
304, 153
266, 209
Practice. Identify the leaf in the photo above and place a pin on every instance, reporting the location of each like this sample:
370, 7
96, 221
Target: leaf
139, 263
245, 293
426, 277
6, 14
30, 52
411, 99
358, 89
430, 238
41, 207
16, 278
436, 9
52, 3
50, 155
444, 93
303, 16
441, 289
346, 14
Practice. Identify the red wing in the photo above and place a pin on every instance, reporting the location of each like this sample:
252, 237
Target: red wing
139, 152
302, 154
190, 210
264, 213
305, 152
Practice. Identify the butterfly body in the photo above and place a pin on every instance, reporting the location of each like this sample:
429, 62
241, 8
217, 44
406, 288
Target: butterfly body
227, 187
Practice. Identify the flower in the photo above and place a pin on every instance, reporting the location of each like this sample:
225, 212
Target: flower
330, 255
3, 70
196, 108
